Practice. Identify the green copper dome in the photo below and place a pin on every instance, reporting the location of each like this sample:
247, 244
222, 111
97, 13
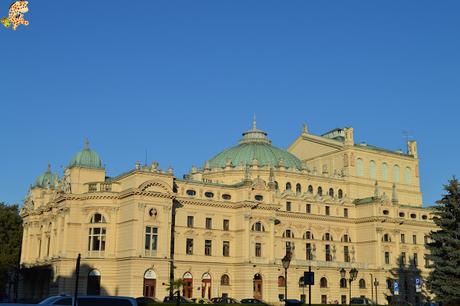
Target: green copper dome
254, 147
86, 158
47, 179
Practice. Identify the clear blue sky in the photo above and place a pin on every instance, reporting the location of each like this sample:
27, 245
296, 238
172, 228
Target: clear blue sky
182, 79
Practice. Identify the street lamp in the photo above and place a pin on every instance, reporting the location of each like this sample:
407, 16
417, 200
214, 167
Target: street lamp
286, 261
353, 274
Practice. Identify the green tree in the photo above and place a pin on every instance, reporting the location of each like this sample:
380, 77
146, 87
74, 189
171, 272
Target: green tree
175, 286
444, 247
10, 243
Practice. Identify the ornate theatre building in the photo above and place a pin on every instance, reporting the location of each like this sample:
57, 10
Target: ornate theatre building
225, 228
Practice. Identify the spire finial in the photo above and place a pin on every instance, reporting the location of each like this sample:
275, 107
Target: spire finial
49, 167
305, 129
86, 144
254, 122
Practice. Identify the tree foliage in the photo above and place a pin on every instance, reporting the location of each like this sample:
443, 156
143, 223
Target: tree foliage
444, 247
10, 241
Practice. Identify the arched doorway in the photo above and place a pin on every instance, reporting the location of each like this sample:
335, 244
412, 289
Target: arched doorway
150, 283
187, 290
206, 286
94, 283
257, 286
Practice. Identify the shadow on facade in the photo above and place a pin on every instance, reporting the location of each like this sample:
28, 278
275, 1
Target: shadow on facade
406, 274
37, 283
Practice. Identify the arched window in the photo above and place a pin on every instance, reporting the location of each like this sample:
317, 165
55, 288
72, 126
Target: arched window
323, 282
97, 235
359, 167
327, 237
362, 284
225, 280
396, 174
343, 283
276, 186
308, 235
407, 176
385, 172
331, 192
281, 281
386, 238
310, 188
346, 238
372, 170
301, 282
288, 234
288, 186
258, 227
94, 283
298, 188
320, 191
340, 193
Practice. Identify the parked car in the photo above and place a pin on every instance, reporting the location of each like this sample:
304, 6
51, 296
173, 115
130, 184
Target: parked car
224, 300
89, 300
145, 301
173, 300
361, 301
201, 301
253, 301
292, 302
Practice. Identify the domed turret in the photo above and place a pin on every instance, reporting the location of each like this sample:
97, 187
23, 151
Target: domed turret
254, 146
86, 158
47, 179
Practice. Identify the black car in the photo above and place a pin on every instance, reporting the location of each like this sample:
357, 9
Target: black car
224, 300
254, 301
173, 300
146, 301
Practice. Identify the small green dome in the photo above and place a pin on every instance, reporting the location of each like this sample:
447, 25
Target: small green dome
47, 179
86, 158
255, 145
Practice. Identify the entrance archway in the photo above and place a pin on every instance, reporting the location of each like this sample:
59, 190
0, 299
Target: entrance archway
150, 283
206, 286
187, 290
94, 283
257, 286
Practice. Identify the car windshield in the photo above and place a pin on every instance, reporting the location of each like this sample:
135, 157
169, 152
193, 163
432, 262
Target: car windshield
50, 300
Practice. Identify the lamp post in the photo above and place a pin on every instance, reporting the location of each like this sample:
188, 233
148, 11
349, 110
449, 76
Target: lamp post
353, 274
286, 261
376, 284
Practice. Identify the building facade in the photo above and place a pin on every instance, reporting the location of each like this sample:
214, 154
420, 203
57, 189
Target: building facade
225, 228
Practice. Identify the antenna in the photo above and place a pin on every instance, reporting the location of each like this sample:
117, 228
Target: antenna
407, 136
145, 162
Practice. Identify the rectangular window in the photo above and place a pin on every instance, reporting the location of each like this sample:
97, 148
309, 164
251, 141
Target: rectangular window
96, 239
387, 258
415, 259
226, 248
403, 258
309, 251
403, 238
328, 253
226, 225
151, 238
258, 249
208, 223
414, 239
343, 299
328, 210
425, 239
189, 221
346, 254
345, 212
189, 246
207, 247
288, 206
323, 299
308, 208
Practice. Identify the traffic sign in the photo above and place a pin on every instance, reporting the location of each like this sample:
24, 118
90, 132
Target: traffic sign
308, 278
418, 284
395, 288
